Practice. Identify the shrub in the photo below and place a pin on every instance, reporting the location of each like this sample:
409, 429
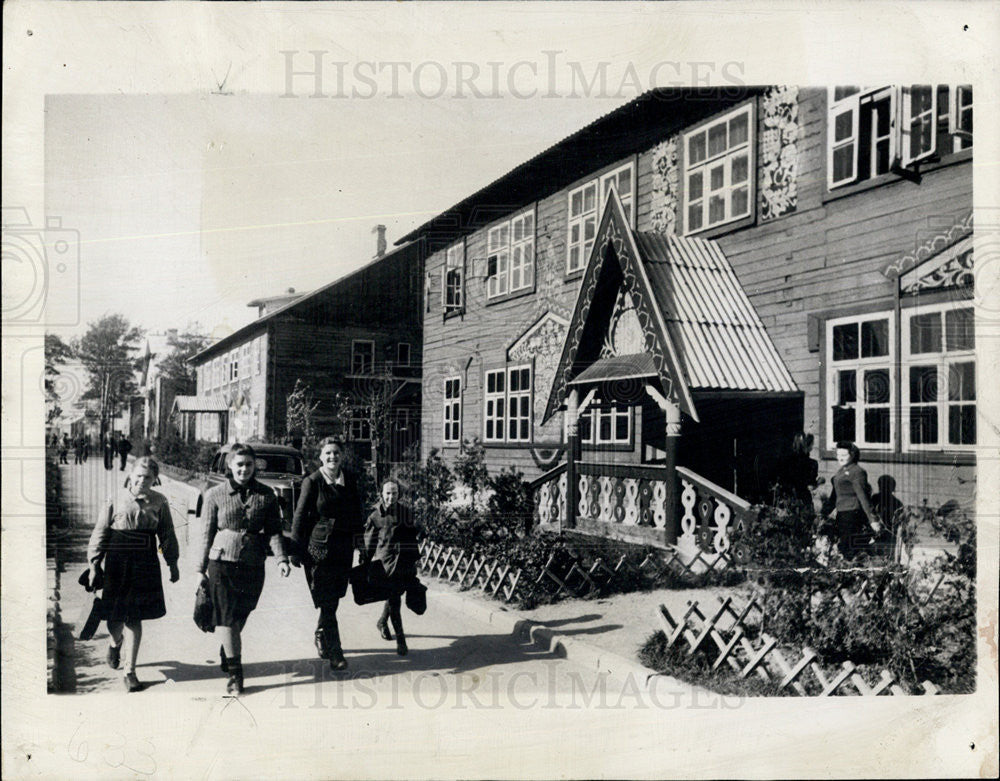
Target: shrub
172, 450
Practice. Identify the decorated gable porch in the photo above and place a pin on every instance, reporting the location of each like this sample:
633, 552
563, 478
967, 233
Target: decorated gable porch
675, 403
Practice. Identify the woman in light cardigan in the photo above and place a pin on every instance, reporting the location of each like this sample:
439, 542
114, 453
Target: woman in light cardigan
241, 517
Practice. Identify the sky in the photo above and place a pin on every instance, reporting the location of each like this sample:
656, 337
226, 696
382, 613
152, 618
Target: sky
190, 206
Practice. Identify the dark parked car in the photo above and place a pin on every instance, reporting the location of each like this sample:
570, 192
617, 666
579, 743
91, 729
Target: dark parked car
278, 466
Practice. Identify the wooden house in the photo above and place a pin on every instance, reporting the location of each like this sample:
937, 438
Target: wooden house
356, 337
641, 317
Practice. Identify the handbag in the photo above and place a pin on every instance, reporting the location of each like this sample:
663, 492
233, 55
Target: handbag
368, 584
416, 597
90, 618
204, 616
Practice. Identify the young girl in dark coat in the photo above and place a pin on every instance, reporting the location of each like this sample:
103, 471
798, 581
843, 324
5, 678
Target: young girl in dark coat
125, 540
391, 540
327, 527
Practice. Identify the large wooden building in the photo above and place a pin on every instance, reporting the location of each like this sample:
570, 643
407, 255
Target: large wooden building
642, 316
351, 337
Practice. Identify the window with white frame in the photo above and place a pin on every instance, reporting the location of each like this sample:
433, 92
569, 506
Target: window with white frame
453, 284
507, 405
606, 424
873, 130
257, 350
360, 425
939, 377
453, 410
584, 204
860, 385
510, 261
216, 373
234, 365
403, 354
245, 358
718, 170
258, 422
362, 356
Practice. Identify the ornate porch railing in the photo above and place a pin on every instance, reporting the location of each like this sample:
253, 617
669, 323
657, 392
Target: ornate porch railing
637, 496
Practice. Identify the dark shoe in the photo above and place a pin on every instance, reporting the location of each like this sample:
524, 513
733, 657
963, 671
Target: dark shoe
401, 648
322, 644
235, 683
114, 656
337, 660
132, 683
383, 629
223, 660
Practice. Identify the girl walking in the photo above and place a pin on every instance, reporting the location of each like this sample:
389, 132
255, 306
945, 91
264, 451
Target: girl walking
241, 518
125, 539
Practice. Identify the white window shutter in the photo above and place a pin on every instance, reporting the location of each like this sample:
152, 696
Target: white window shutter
848, 107
908, 153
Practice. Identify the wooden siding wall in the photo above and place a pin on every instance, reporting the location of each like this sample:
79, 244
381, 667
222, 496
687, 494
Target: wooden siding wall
826, 254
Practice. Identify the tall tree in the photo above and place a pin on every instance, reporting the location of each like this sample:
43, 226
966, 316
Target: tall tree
182, 347
107, 352
57, 352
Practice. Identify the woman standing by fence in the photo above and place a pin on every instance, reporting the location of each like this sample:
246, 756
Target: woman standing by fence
327, 527
241, 517
851, 500
125, 540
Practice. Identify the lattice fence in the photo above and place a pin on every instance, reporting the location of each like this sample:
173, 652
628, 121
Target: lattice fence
726, 635
457, 566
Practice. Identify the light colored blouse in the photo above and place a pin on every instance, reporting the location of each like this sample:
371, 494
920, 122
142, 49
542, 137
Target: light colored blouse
128, 512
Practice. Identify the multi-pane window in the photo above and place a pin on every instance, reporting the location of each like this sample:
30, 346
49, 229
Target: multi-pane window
866, 138
257, 350
584, 216
607, 424
362, 356
507, 405
234, 365
245, 358
718, 170
860, 390
216, 372
452, 288
360, 428
403, 354
939, 377
453, 410
510, 249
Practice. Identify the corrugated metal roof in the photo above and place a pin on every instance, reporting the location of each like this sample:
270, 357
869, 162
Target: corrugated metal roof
718, 334
619, 367
200, 404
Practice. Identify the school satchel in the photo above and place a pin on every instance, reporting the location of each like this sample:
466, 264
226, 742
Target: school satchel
368, 584
416, 597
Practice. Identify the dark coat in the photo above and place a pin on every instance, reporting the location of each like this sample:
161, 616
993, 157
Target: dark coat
327, 527
391, 538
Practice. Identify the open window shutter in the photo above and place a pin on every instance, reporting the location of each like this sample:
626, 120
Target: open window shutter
842, 143
912, 148
954, 109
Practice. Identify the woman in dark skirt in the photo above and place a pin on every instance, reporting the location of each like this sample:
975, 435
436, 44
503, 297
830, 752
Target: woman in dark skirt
391, 540
125, 539
855, 519
327, 528
241, 518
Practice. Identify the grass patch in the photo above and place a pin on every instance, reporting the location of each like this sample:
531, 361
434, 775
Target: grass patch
697, 669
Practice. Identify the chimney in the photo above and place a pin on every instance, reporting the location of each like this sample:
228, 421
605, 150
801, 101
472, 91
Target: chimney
380, 242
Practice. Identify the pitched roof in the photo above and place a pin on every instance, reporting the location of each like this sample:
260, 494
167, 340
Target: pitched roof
200, 404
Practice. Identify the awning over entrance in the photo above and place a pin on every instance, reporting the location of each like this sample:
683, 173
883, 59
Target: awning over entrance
619, 367
669, 308
199, 404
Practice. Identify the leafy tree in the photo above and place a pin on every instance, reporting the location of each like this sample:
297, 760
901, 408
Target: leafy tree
57, 352
183, 347
107, 351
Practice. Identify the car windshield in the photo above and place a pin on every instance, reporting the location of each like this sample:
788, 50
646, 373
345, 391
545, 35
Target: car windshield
279, 462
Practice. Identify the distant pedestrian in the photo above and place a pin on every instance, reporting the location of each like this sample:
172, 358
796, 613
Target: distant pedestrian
78, 450
124, 448
109, 451
125, 540
241, 518
64, 449
797, 472
327, 526
86, 447
850, 499
391, 543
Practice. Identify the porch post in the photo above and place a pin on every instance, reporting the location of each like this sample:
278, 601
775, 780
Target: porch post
572, 419
673, 432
